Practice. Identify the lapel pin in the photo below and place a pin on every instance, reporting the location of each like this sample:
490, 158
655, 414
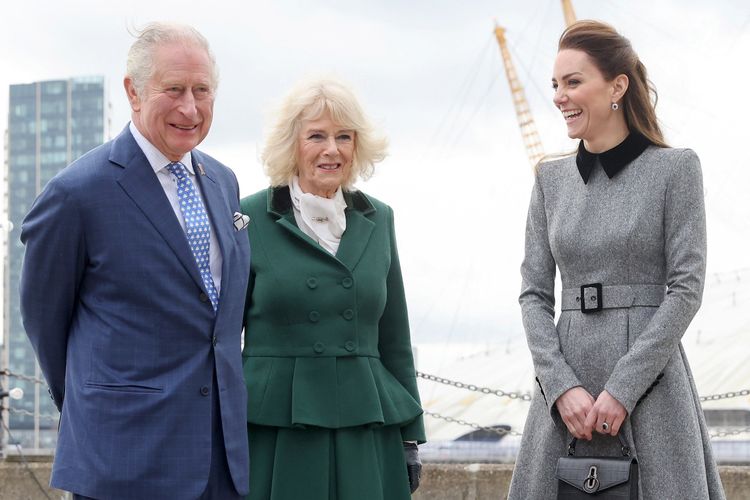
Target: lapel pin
201, 170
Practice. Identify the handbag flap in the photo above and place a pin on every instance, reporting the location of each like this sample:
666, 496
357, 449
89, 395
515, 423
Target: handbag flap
609, 471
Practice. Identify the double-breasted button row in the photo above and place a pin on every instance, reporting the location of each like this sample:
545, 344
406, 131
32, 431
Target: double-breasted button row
312, 283
319, 347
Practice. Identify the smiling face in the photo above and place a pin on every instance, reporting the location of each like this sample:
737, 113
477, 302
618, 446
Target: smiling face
324, 155
175, 108
585, 99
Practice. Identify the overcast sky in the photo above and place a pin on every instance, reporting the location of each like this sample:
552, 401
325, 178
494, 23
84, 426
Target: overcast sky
430, 74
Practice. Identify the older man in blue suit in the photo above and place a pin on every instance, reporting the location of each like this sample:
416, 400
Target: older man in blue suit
132, 294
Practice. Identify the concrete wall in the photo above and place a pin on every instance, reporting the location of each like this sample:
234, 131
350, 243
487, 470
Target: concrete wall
439, 481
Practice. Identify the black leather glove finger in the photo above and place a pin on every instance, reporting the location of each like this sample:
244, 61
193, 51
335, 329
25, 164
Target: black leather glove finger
413, 465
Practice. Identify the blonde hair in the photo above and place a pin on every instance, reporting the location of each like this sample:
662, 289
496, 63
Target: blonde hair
309, 100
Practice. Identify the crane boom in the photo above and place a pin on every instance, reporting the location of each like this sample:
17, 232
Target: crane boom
531, 139
568, 12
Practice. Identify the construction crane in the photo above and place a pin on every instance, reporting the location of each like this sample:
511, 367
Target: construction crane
531, 139
568, 12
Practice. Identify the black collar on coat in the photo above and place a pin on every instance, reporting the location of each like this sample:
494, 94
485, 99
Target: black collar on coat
280, 201
612, 160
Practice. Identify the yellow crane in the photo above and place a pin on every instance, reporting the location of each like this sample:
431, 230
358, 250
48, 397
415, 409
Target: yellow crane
568, 12
531, 139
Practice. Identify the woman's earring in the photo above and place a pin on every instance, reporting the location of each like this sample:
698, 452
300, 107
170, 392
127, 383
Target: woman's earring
615, 106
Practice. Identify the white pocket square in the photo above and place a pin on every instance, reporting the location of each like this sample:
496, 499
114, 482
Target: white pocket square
241, 221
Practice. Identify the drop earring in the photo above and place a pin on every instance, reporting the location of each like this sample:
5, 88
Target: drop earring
615, 106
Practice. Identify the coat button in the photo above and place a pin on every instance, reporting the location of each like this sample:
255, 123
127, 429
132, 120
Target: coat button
214, 341
348, 314
347, 282
204, 391
350, 345
203, 297
314, 316
312, 283
319, 347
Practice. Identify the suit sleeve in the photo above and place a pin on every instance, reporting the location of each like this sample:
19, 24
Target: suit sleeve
394, 339
52, 270
537, 299
685, 255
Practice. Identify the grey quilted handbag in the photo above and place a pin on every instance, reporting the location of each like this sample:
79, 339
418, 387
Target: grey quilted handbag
600, 478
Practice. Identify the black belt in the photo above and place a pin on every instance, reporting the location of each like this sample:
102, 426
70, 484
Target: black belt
595, 297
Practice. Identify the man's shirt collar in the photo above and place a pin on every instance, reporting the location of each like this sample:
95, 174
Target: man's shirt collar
156, 158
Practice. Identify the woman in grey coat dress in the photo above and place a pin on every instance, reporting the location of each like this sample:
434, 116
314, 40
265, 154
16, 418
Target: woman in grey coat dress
623, 220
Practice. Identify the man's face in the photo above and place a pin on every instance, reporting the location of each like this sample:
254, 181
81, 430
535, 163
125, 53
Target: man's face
175, 108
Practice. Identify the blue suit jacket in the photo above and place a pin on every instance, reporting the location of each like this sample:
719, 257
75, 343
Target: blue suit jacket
115, 308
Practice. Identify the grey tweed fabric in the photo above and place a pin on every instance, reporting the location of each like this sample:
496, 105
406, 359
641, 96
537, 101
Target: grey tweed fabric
645, 226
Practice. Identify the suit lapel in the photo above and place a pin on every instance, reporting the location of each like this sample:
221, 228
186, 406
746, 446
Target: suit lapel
218, 211
358, 226
355, 239
139, 181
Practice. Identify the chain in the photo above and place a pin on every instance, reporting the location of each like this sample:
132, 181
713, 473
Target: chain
523, 396
501, 432
726, 395
19, 376
725, 433
27, 413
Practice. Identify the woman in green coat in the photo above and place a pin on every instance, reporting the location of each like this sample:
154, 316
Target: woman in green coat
333, 407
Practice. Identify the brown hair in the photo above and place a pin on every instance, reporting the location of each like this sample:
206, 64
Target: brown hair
613, 55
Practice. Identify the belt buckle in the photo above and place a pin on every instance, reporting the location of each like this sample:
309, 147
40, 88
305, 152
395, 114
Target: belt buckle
595, 299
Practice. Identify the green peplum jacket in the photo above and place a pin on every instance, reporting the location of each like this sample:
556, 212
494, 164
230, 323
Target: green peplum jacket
327, 337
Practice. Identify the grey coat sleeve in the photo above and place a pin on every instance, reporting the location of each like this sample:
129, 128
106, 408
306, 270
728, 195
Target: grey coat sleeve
537, 300
685, 254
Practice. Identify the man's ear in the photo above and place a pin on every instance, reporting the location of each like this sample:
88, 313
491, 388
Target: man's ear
133, 98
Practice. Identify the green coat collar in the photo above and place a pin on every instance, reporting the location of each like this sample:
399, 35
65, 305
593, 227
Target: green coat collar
359, 223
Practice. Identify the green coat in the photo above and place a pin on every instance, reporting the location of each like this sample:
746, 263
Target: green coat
327, 337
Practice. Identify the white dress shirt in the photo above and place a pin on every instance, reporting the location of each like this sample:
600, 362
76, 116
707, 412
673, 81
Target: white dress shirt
168, 182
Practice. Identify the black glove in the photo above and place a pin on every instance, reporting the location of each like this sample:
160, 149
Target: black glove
413, 465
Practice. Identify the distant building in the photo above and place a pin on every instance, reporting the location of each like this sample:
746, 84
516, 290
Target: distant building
50, 124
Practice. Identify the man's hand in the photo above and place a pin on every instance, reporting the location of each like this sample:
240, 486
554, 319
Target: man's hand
574, 406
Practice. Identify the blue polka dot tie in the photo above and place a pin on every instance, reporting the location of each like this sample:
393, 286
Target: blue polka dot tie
196, 225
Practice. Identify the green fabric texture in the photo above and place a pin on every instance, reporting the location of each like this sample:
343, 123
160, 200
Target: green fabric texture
327, 337
354, 463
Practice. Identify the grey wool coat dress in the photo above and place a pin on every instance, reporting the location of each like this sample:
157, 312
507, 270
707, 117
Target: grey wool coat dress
635, 226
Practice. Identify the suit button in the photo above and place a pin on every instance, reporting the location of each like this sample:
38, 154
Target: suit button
204, 391
348, 314
319, 347
350, 345
312, 283
347, 282
214, 341
203, 297
314, 316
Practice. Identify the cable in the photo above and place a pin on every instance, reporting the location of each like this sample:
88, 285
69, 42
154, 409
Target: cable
23, 458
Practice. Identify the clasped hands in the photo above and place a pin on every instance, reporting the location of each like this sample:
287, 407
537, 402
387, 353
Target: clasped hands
582, 414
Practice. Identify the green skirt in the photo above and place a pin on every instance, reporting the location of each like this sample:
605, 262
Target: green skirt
352, 463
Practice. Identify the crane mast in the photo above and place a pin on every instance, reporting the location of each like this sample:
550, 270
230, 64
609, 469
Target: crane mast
568, 12
531, 139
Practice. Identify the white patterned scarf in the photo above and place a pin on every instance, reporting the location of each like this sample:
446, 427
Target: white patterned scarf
322, 219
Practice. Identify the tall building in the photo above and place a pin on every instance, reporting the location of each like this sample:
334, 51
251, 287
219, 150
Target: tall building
50, 124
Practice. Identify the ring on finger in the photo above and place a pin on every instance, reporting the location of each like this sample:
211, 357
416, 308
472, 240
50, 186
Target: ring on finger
605, 426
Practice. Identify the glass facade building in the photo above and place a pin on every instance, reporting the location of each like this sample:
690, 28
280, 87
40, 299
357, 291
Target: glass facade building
50, 124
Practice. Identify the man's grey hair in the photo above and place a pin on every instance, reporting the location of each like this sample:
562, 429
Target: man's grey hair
140, 64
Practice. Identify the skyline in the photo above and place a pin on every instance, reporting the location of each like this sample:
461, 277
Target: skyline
431, 76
